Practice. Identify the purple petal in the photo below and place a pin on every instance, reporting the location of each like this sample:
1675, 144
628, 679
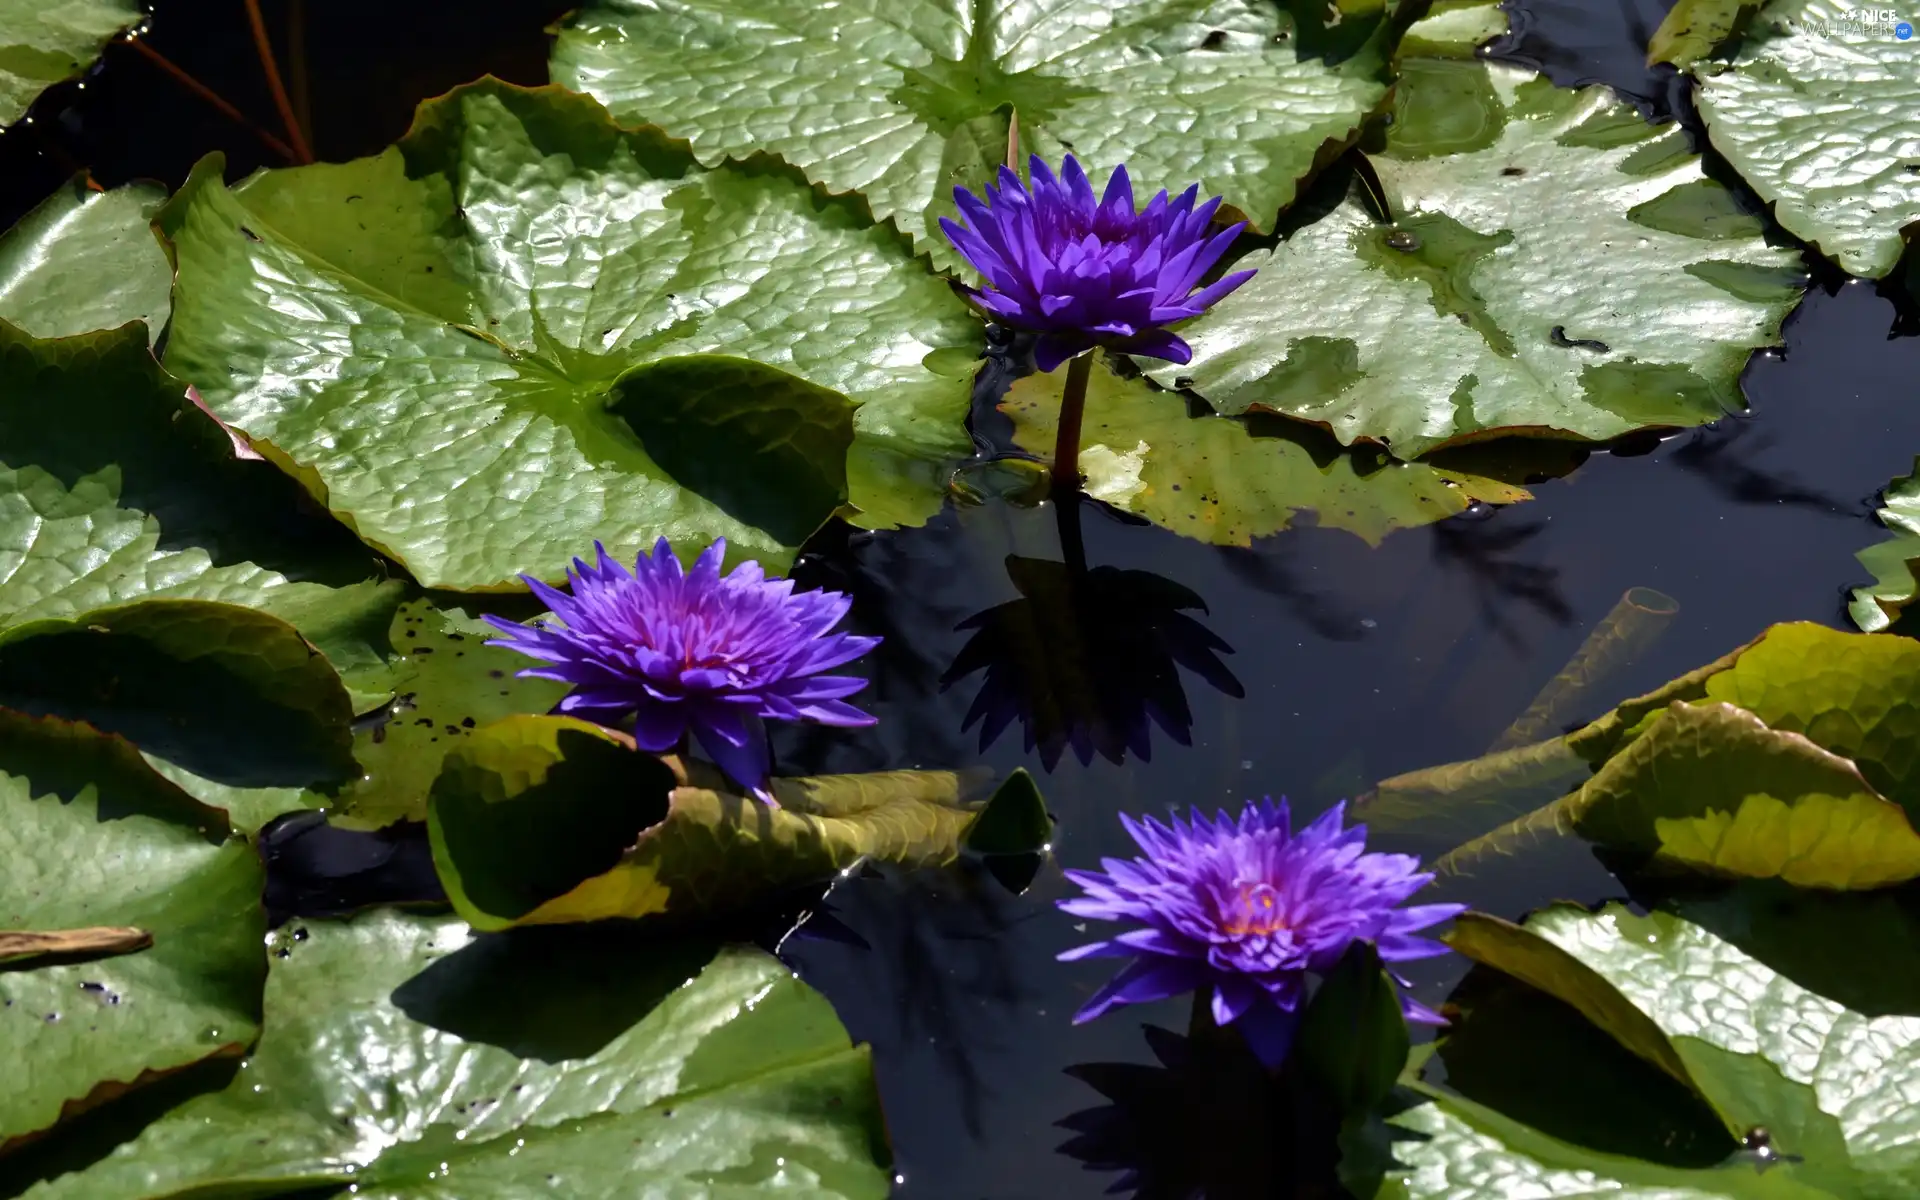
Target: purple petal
1212, 294
1053, 349
1141, 982
658, 728
746, 763
1419, 1013
1116, 205
1161, 344
1268, 1031
1232, 997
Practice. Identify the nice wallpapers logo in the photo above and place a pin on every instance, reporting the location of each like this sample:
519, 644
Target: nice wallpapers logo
1872, 22
1864, 23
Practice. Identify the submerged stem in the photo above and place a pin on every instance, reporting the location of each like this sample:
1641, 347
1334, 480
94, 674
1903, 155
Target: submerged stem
1073, 547
264, 46
179, 74
1073, 403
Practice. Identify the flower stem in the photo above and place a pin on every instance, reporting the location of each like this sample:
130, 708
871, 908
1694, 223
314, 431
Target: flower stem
1073, 546
1073, 403
211, 97
264, 46
298, 86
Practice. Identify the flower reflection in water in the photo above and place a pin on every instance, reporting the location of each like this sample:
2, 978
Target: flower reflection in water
1088, 658
1207, 1122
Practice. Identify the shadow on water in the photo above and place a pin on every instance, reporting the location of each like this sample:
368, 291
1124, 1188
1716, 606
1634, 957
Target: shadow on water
357, 74
1347, 664
1578, 42
1087, 657
1357, 664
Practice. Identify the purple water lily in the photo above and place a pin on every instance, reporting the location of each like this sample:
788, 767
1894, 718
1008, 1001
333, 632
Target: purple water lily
694, 651
1251, 910
1083, 272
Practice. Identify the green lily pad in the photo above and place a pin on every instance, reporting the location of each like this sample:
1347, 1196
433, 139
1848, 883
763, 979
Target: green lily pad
1693, 29
547, 820
1855, 694
1711, 787
1816, 115
1850, 693
92, 837
1453, 29
1439, 806
1854, 699
533, 1063
230, 693
42, 44
447, 683
1589, 1090
903, 100
85, 260
471, 346
248, 808
1474, 313
1893, 561
1461, 1150
115, 487
1813, 1086
1601, 739
1228, 481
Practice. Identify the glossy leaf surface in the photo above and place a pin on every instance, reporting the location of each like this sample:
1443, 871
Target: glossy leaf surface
474, 347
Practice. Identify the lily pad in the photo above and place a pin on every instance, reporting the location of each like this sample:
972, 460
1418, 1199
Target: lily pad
1893, 561
85, 260
1850, 693
248, 808
1474, 313
902, 100
1854, 699
1855, 694
1693, 29
1816, 114
470, 348
1812, 1086
1710, 787
1453, 29
1228, 481
546, 820
447, 682
92, 837
115, 487
42, 44
532, 1063
230, 693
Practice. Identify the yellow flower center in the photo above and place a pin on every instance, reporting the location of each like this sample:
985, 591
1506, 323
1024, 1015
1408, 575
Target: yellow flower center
1255, 910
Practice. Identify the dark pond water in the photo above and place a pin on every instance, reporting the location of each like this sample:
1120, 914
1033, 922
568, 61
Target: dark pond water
1355, 663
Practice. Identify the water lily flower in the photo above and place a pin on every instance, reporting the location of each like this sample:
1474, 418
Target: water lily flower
1084, 272
1252, 911
694, 652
